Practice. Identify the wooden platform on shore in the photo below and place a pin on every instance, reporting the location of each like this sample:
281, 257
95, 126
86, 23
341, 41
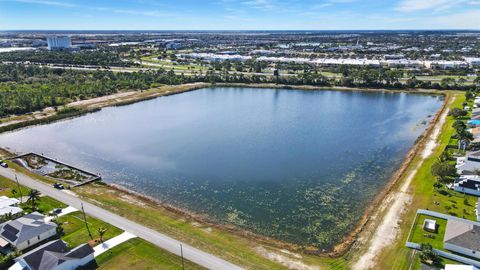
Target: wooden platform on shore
92, 176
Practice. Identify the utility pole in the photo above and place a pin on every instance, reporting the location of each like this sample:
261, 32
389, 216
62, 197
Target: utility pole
86, 223
181, 253
19, 189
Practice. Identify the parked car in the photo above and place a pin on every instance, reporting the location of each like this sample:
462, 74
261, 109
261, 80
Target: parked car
3, 164
57, 210
58, 186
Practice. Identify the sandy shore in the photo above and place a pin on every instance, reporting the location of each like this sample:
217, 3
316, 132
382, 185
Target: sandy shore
395, 204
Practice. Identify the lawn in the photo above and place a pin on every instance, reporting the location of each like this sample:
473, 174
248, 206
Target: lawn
75, 231
44, 205
139, 254
233, 248
7, 186
424, 196
420, 236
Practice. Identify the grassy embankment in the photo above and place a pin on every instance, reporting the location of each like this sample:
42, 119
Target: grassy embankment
424, 196
139, 254
232, 247
48, 115
134, 254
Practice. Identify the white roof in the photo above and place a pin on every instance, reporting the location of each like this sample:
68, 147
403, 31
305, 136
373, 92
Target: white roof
430, 224
10, 209
460, 267
6, 201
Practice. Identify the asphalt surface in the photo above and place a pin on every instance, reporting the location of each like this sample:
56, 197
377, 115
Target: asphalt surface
161, 240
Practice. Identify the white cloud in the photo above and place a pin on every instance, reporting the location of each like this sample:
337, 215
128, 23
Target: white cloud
261, 4
463, 20
44, 2
435, 5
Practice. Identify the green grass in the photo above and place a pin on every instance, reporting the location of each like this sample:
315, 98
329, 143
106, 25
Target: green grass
44, 205
75, 231
424, 196
7, 186
139, 254
419, 235
231, 247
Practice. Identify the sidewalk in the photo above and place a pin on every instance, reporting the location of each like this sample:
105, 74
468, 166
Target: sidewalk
117, 240
65, 211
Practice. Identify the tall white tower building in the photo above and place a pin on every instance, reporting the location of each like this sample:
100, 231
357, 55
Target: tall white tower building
59, 43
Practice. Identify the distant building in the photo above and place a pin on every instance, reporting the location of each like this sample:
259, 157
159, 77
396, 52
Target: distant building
393, 56
473, 61
55, 255
25, 232
173, 46
59, 43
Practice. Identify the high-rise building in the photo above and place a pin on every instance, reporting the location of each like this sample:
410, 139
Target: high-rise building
59, 43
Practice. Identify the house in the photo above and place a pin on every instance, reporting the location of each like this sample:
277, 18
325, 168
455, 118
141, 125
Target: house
463, 237
26, 231
54, 255
477, 209
476, 113
473, 123
469, 164
460, 267
6, 201
9, 208
469, 184
476, 133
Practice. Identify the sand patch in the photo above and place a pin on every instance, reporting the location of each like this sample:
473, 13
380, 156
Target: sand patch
285, 260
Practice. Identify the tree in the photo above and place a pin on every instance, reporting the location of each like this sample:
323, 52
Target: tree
428, 256
459, 126
443, 170
464, 138
33, 198
457, 113
469, 95
101, 232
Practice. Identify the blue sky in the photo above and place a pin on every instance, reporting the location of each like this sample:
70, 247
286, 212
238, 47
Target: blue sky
239, 14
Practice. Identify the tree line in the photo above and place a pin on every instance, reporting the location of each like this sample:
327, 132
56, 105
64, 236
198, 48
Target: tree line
99, 58
27, 88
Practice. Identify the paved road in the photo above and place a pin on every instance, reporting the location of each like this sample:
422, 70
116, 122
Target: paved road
195, 255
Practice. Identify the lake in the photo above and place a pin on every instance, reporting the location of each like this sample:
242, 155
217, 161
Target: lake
300, 166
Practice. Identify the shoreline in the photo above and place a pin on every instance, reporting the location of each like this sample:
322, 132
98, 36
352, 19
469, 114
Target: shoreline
122, 98
386, 229
343, 246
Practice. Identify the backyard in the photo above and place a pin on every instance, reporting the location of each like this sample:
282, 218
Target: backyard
420, 236
76, 233
139, 254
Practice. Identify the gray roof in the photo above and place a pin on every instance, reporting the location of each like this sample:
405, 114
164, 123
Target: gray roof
54, 253
469, 166
25, 228
463, 234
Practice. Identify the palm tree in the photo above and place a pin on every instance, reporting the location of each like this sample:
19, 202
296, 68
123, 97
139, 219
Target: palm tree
33, 197
101, 232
